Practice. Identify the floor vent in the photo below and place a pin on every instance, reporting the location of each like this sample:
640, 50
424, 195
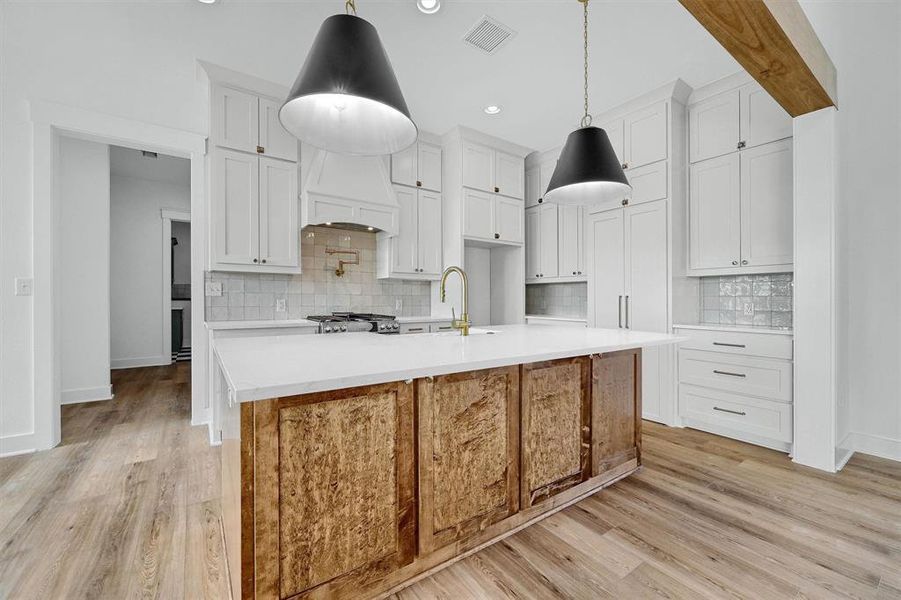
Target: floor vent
488, 35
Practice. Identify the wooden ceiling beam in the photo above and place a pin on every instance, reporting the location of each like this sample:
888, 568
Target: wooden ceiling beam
776, 44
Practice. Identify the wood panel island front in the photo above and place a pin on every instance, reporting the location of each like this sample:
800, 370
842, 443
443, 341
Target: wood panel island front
354, 464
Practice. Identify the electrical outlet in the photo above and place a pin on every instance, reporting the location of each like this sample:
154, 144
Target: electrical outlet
24, 286
213, 288
398, 304
748, 309
280, 305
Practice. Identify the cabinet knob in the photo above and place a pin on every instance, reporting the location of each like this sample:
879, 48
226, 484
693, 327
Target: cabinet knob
625, 202
580, 272
625, 165
734, 262
497, 236
255, 260
574, 272
263, 261
496, 189
260, 150
744, 262
540, 200
741, 145
418, 184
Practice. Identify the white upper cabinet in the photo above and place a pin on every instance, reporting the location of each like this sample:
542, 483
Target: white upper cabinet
616, 134
645, 139
508, 219
508, 174
570, 242
648, 182
533, 244
415, 252
762, 119
429, 227
545, 171
548, 261
236, 207
715, 213
478, 164
404, 259
766, 205
235, 120
478, 215
713, 126
275, 139
533, 183
278, 213
418, 166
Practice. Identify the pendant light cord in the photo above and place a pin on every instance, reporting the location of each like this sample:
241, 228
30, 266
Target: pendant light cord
586, 118
350, 5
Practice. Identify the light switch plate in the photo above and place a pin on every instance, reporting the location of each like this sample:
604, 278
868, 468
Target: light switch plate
398, 304
213, 288
280, 304
24, 286
748, 308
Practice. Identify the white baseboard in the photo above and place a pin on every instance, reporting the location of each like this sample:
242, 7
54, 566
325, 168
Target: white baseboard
12, 445
95, 394
145, 361
875, 445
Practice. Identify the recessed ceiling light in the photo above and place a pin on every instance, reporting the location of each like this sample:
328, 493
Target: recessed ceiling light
429, 7
492, 109
207, 1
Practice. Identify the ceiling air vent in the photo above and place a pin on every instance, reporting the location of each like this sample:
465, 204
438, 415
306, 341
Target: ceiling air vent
488, 35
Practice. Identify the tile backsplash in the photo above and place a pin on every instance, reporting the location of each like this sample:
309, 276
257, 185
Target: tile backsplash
756, 300
557, 299
256, 296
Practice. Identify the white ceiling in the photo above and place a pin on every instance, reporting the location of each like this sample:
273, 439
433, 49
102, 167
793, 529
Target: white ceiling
126, 162
635, 46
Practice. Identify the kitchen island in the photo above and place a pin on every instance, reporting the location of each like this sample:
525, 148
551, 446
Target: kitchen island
351, 464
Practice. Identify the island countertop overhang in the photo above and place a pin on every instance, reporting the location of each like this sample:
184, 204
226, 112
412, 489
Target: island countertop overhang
258, 368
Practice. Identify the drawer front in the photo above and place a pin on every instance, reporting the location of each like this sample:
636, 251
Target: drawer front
722, 410
414, 327
769, 345
438, 327
749, 375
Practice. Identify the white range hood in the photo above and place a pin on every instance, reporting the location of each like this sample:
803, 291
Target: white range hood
349, 190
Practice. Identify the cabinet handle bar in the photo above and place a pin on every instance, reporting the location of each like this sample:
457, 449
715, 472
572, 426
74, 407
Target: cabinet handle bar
734, 412
729, 373
729, 345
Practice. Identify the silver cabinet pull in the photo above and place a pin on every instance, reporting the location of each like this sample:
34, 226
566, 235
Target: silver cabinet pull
620, 312
744, 262
729, 374
732, 412
415, 329
729, 345
628, 316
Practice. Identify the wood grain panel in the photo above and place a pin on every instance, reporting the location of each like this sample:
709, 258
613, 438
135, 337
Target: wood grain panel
775, 43
469, 453
556, 427
615, 409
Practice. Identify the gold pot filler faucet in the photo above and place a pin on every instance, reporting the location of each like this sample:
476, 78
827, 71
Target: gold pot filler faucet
463, 323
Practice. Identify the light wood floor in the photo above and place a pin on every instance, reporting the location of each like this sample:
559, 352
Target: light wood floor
127, 507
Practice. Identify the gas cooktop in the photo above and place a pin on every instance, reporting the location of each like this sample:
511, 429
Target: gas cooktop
349, 322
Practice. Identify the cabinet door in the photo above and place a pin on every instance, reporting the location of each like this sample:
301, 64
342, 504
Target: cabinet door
556, 427
645, 136
570, 240
533, 183
468, 453
714, 213
766, 205
405, 258
235, 207
477, 167
762, 119
548, 222
429, 219
403, 166
235, 117
645, 266
333, 491
546, 171
615, 410
429, 166
533, 243
508, 219
648, 182
606, 263
478, 215
279, 228
713, 126
508, 175
275, 139
616, 133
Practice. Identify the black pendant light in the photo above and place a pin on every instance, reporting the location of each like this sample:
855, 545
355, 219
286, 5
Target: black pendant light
346, 98
588, 171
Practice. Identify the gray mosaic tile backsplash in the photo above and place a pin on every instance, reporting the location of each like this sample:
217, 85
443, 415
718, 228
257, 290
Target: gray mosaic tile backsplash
255, 296
755, 300
557, 299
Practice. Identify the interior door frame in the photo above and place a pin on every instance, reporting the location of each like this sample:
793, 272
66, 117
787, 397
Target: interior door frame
168, 217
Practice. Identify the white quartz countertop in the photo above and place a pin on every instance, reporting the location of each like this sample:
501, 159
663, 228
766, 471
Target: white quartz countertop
270, 324
257, 368
738, 329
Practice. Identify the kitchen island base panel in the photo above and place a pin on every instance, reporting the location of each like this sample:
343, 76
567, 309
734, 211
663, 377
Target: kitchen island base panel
357, 492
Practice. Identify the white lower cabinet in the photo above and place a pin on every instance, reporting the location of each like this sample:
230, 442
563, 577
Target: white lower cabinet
415, 252
426, 327
737, 384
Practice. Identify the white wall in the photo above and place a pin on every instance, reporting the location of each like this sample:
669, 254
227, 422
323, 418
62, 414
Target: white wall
868, 216
182, 252
84, 189
136, 267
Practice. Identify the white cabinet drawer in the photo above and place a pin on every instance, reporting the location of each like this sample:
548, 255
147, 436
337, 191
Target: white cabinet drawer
722, 412
438, 327
749, 375
769, 345
414, 327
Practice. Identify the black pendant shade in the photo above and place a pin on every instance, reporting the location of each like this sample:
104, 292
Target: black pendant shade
588, 171
346, 98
